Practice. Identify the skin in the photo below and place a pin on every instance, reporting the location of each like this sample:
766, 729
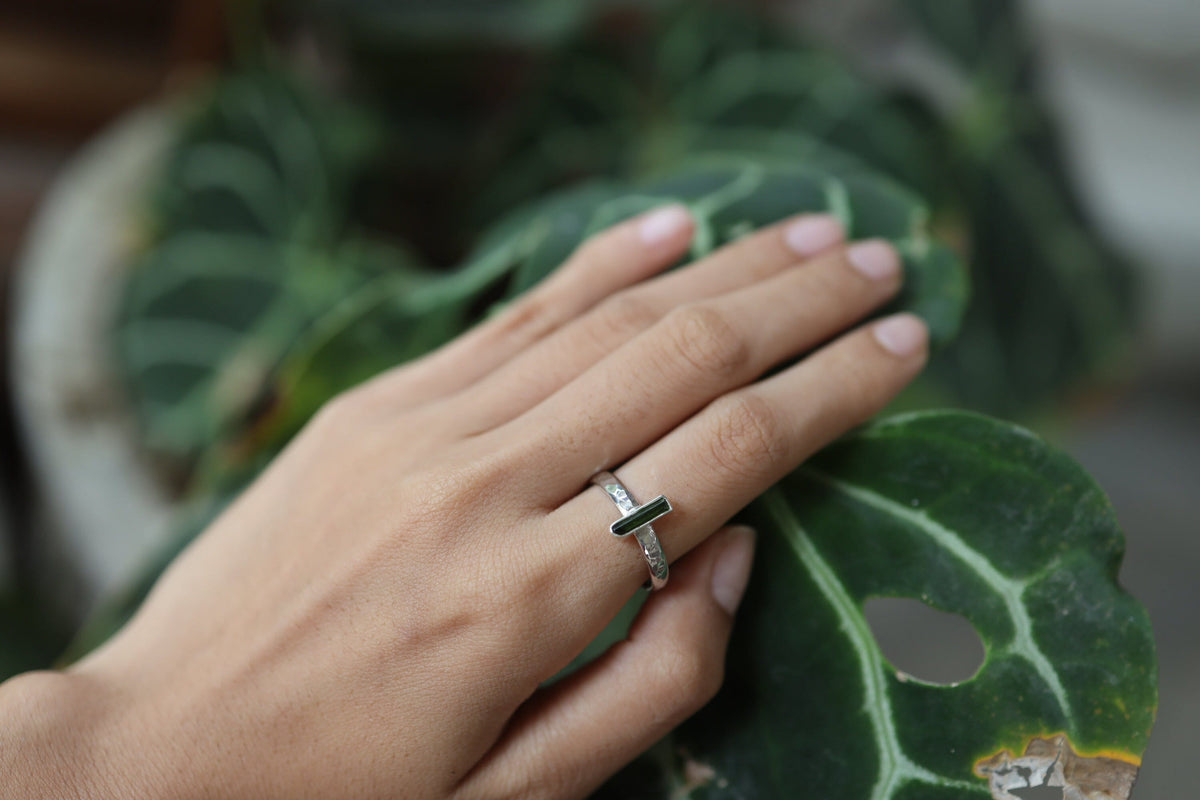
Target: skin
375, 616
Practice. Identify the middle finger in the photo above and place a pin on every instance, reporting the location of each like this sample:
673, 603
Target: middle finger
696, 353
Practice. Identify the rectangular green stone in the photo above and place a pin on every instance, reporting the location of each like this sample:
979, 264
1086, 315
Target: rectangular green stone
642, 515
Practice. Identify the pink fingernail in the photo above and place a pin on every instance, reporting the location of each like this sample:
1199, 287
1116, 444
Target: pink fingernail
875, 259
664, 223
811, 234
731, 573
902, 335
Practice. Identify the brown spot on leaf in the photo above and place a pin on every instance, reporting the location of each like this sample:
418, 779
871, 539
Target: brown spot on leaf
1052, 762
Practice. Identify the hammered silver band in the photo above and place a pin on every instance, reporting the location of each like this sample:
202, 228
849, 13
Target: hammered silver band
636, 519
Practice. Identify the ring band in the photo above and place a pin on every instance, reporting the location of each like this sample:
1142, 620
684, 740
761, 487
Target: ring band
636, 519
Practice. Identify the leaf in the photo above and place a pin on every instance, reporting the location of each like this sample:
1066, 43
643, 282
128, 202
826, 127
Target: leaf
248, 244
1055, 307
368, 332
392, 320
206, 318
972, 516
696, 78
394, 25
731, 195
1055, 304
1054, 310
260, 152
30, 633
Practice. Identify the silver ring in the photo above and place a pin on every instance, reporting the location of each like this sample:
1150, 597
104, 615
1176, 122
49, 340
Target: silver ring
636, 519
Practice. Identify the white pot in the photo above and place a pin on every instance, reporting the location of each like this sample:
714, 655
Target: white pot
105, 512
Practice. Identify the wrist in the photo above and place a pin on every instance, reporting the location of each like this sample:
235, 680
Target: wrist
52, 739
42, 754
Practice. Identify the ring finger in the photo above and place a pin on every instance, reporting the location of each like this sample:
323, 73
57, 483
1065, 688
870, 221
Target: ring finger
721, 459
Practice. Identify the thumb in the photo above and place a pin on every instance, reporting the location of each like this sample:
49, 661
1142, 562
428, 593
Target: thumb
570, 737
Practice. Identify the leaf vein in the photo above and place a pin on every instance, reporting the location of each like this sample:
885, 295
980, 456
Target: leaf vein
895, 767
1009, 590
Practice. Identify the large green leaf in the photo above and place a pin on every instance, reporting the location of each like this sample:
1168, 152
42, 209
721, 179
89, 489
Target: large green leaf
1054, 307
261, 152
698, 78
668, 85
396, 318
247, 244
731, 195
971, 516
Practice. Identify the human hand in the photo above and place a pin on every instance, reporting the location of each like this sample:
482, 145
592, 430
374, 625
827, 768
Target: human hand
375, 616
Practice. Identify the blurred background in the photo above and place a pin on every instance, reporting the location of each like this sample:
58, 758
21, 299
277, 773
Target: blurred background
188, 191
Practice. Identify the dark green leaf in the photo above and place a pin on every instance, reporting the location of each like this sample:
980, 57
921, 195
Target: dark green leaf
971, 516
730, 196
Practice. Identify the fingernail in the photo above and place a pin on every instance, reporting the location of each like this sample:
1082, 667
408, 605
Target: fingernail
901, 335
874, 259
664, 223
812, 234
732, 570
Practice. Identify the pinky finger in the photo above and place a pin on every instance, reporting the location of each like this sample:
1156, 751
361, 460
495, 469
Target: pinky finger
571, 737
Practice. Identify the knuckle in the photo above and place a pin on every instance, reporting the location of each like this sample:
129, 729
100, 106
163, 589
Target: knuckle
463, 483
705, 339
530, 317
345, 410
624, 315
747, 439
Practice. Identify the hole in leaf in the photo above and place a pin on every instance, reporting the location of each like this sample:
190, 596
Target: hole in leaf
929, 645
1039, 793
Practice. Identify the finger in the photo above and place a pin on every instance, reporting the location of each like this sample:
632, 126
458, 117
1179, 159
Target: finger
557, 359
731, 452
605, 263
754, 257
569, 738
697, 353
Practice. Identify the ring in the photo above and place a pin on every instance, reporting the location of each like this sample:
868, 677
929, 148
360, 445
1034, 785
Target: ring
636, 519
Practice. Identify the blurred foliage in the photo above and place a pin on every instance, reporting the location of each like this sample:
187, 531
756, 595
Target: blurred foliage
279, 262
1054, 305
288, 202
30, 636
249, 242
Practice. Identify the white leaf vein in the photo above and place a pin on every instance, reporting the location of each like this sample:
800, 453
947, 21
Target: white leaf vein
895, 767
1009, 590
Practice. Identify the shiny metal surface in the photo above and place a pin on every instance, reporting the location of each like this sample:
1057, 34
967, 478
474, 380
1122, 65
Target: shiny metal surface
636, 519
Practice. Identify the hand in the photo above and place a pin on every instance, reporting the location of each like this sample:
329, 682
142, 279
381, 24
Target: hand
375, 615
